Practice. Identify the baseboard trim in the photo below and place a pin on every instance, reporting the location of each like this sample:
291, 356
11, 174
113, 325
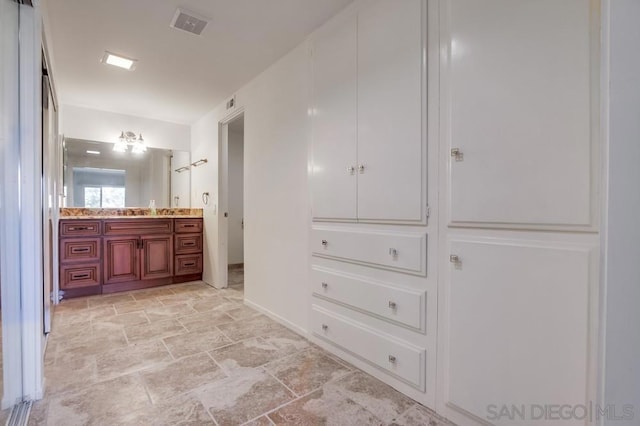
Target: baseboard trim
277, 318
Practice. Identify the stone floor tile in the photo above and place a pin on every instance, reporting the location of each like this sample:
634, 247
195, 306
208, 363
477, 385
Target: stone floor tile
243, 312
243, 397
195, 342
181, 376
306, 370
69, 374
160, 313
120, 321
154, 331
99, 404
324, 408
110, 299
204, 321
252, 352
421, 416
184, 410
135, 357
379, 398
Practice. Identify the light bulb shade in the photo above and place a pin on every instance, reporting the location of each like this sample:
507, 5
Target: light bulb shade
120, 146
138, 148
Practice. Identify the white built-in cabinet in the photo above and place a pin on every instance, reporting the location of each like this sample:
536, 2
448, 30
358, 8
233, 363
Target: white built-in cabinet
494, 301
368, 145
372, 283
519, 143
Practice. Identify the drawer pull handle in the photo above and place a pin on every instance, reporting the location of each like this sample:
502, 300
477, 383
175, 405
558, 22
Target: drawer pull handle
325, 243
325, 327
454, 258
189, 226
190, 264
80, 250
392, 305
81, 228
80, 277
189, 244
393, 252
325, 285
392, 359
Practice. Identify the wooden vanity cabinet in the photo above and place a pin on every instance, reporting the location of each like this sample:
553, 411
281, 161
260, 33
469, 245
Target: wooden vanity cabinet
80, 257
128, 254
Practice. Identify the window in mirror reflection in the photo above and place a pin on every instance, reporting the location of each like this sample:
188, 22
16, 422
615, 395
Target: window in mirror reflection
99, 188
104, 197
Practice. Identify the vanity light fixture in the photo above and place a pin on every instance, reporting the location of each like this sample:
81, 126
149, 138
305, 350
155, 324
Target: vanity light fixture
129, 138
119, 61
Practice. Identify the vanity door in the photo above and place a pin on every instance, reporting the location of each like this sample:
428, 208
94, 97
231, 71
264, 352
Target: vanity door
157, 257
121, 259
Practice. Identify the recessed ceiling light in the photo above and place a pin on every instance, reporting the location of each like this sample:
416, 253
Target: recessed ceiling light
119, 61
93, 152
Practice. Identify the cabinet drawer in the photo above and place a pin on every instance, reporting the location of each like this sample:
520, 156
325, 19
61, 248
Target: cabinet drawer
406, 252
79, 228
138, 226
396, 357
187, 264
77, 276
188, 243
75, 250
188, 225
402, 305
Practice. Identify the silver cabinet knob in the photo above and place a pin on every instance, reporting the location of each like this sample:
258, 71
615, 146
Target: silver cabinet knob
457, 154
351, 170
325, 327
325, 243
325, 285
361, 168
392, 305
392, 359
393, 252
454, 258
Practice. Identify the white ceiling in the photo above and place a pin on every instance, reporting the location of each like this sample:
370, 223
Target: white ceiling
179, 76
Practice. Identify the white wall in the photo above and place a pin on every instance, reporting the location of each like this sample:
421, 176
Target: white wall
622, 244
236, 197
276, 139
103, 126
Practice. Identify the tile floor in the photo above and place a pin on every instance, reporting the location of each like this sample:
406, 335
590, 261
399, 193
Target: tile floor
193, 355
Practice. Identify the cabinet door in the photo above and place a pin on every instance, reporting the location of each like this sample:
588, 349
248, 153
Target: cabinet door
390, 87
333, 173
157, 257
121, 262
517, 329
516, 88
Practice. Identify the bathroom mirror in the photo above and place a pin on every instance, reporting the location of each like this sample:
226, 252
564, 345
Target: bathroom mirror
96, 176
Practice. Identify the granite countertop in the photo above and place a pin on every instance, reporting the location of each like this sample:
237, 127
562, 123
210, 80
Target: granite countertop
173, 216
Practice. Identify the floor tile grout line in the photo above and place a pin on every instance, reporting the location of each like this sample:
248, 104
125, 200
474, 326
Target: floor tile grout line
295, 394
168, 350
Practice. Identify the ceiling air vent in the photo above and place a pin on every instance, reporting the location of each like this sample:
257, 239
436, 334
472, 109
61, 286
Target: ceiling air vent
189, 22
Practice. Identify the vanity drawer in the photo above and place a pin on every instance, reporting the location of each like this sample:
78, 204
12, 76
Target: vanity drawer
396, 357
402, 305
187, 264
400, 251
138, 226
80, 250
78, 276
188, 225
79, 228
188, 243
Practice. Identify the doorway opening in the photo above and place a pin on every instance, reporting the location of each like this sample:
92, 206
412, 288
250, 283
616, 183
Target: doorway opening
231, 212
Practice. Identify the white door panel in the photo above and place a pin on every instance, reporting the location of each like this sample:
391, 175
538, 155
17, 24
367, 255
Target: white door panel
516, 87
517, 327
334, 123
390, 143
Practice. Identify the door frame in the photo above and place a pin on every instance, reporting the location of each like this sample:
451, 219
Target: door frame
222, 276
